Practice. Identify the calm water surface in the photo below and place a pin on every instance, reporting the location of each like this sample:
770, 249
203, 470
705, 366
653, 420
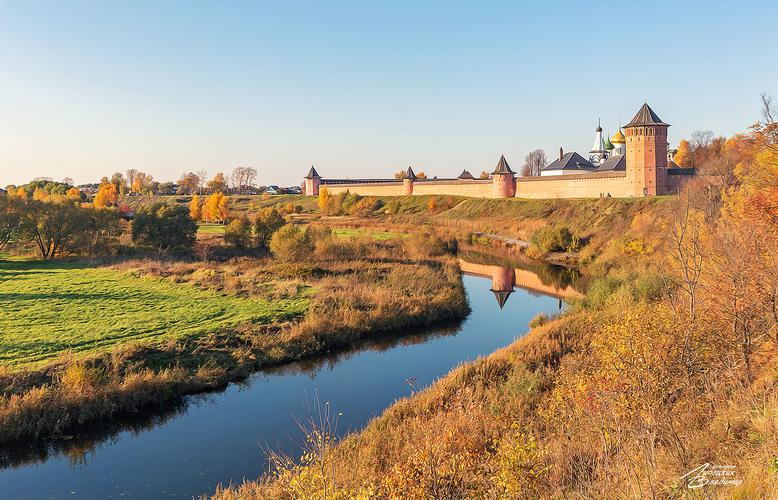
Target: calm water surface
219, 438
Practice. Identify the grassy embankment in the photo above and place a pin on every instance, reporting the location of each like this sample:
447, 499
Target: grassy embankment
644, 379
86, 344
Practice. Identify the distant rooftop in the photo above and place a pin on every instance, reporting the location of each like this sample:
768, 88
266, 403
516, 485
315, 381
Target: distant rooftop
570, 161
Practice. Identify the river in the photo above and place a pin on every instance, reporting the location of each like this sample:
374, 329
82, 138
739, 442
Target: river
221, 437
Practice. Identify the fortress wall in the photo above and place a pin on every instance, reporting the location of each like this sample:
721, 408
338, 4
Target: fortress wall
574, 186
378, 189
677, 181
522, 279
475, 188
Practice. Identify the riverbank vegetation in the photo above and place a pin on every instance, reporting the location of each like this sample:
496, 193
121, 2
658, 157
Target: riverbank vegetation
666, 364
108, 333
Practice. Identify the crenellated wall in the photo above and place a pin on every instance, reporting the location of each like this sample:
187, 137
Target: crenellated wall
478, 188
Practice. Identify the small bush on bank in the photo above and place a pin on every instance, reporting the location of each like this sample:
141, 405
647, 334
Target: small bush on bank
364, 207
555, 239
267, 222
428, 244
238, 232
539, 320
290, 243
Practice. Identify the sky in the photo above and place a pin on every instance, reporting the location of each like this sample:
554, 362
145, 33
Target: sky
361, 89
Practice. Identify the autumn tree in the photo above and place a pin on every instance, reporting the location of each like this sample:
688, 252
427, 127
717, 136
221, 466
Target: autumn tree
399, 175
74, 194
106, 196
52, 227
217, 184
267, 222
10, 218
484, 175
238, 232
533, 163
421, 175
164, 227
188, 183
215, 209
324, 198
195, 209
40, 194
683, 156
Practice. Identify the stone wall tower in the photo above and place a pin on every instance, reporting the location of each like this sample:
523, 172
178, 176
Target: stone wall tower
503, 180
408, 180
312, 182
646, 137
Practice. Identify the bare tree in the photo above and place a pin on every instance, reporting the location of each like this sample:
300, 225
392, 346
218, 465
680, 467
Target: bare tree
68, 181
243, 179
131, 174
534, 163
768, 110
202, 175
701, 138
686, 263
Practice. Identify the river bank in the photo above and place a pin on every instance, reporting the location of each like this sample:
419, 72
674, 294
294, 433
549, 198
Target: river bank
222, 437
343, 301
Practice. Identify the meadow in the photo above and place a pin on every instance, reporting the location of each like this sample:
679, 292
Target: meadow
53, 307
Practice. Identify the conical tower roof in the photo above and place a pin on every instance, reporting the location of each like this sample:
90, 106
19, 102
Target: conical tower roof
409, 174
502, 167
312, 173
502, 296
644, 117
465, 175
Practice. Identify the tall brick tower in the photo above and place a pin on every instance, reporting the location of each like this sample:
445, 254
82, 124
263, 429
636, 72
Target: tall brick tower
312, 182
408, 179
503, 180
646, 138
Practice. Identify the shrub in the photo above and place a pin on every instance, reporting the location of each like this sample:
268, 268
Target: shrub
539, 320
290, 243
428, 244
164, 227
238, 232
555, 239
267, 222
364, 207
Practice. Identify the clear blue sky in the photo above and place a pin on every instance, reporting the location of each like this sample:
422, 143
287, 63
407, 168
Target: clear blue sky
360, 88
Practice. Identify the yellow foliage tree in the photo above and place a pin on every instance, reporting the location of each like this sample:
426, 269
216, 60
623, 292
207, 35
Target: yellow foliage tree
195, 209
40, 194
215, 209
324, 197
106, 196
683, 156
74, 194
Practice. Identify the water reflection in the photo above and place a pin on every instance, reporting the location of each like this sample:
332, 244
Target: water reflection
220, 437
510, 272
78, 447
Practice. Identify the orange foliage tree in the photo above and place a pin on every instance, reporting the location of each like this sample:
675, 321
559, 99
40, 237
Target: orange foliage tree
106, 196
683, 156
195, 209
215, 209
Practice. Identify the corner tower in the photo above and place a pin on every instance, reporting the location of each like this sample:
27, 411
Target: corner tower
646, 137
503, 180
312, 182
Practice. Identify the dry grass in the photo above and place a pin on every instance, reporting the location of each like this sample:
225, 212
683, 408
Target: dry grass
350, 300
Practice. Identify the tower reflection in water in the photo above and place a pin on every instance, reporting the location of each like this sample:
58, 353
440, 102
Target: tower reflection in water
542, 279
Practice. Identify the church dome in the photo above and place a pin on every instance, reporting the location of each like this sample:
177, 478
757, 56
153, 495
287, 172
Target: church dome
608, 145
618, 138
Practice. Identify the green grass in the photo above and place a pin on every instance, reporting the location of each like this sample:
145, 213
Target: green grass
206, 228
376, 235
50, 308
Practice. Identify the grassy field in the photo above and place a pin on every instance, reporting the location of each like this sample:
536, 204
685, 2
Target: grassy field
376, 235
206, 228
50, 308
